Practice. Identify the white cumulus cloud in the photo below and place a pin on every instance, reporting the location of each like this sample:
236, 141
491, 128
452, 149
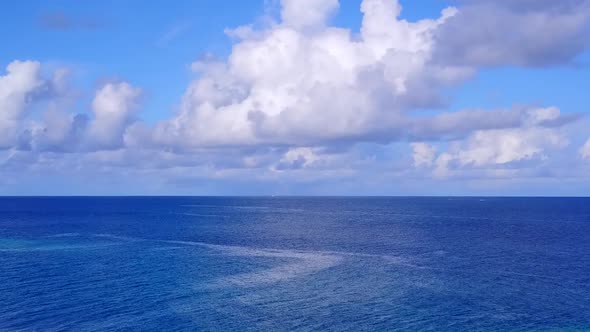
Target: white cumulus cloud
291, 85
114, 107
302, 95
16, 91
307, 13
424, 154
585, 150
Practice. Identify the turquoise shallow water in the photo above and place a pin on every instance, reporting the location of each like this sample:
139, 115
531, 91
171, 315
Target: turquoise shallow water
251, 264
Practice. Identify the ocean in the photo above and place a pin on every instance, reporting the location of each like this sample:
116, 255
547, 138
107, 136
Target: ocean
294, 264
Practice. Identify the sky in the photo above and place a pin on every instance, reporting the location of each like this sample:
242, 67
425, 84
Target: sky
295, 97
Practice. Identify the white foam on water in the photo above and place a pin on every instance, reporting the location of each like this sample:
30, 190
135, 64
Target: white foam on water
300, 263
117, 237
201, 215
166, 248
65, 235
294, 263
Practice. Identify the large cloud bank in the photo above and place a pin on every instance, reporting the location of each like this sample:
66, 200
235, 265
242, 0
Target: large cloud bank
299, 93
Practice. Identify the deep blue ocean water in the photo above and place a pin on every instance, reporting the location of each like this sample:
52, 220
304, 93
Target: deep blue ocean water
301, 264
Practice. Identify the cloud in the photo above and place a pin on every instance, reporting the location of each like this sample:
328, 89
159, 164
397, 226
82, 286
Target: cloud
114, 106
457, 125
424, 154
300, 82
301, 99
501, 148
17, 90
279, 86
298, 158
60, 21
172, 33
58, 131
302, 14
514, 32
34, 112
585, 150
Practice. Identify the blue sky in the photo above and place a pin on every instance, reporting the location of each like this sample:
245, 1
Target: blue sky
269, 97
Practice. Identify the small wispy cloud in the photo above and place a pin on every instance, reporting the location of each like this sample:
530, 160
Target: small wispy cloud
172, 33
61, 21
